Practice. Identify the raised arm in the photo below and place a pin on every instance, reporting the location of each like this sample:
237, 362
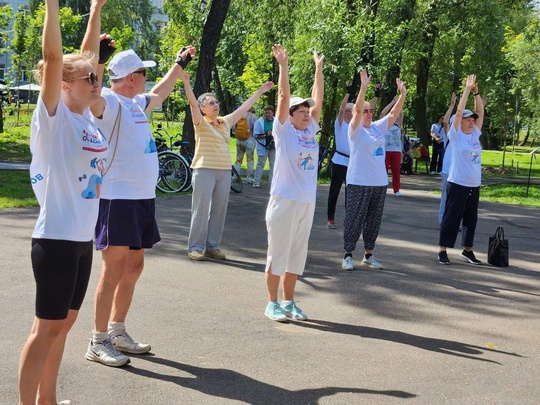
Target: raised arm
387, 108
51, 82
469, 84
250, 102
193, 104
479, 106
284, 90
448, 114
317, 92
373, 101
396, 110
91, 38
360, 100
343, 105
163, 88
106, 49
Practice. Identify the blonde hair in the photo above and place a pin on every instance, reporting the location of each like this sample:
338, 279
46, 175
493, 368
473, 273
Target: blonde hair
72, 64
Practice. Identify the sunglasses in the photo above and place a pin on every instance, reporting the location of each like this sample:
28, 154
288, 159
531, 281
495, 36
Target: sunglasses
91, 77
368, 111
142, 72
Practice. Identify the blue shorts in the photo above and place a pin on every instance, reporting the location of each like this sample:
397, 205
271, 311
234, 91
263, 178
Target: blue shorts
61, 270
127, 223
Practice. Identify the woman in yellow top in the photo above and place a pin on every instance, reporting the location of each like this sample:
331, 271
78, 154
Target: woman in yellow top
211, 166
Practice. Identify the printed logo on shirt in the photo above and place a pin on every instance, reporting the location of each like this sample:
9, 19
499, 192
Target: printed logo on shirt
150, 146
306, 141
474, 157
305, 161
138, 116
93, 185
379, 151
474, 144
96, 139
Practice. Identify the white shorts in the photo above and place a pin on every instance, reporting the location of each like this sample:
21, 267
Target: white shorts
289, 224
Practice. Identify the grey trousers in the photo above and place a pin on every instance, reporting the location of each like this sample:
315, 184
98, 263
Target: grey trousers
208, 208
269, 154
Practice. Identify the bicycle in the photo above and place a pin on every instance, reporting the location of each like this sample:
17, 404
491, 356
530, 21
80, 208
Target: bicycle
326, 151
183, 148
174, 172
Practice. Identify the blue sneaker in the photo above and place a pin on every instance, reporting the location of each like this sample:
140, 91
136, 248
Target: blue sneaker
291, 310
274, 312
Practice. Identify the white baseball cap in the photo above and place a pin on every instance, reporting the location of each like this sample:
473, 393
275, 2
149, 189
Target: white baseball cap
299, 100
126, 62
469, 113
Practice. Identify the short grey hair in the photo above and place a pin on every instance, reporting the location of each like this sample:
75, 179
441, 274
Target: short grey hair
201, 101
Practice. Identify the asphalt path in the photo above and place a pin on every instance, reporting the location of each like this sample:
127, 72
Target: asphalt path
414, 333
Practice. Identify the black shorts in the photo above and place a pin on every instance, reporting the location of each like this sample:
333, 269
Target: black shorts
61, 270
127, 223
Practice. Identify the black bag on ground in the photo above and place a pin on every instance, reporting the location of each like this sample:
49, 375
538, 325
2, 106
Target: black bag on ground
498, 249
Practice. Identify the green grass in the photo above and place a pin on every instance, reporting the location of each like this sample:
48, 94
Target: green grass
16, 189
507, 193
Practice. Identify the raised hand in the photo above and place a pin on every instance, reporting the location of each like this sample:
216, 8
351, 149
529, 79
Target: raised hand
318, 59
401, 87
280, 54
184, 76
267, 86
470, 82
364, 78
453, 98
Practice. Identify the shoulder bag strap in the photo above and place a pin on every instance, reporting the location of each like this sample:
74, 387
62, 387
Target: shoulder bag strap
116, 127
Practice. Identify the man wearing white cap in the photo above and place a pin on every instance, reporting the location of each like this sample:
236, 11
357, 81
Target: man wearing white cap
126, 223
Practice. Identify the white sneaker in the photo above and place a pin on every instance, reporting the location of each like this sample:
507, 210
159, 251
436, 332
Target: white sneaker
432, 173
371, 263
397, 194
347, 263
106, 354
125, 343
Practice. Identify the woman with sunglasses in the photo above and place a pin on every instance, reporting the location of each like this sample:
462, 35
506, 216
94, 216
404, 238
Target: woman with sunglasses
68, 154
289, 215
367, 178
211, 178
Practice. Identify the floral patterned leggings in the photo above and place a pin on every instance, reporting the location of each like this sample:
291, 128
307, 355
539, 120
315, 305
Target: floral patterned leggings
363, 215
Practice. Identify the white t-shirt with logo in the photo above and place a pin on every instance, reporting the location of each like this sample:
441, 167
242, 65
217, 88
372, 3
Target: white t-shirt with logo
393, 139
466, 161
367, 163
68, 157
297, 159
134, 169
342, 143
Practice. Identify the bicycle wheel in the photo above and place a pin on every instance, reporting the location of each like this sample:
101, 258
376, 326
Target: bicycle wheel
174, 172
236, 181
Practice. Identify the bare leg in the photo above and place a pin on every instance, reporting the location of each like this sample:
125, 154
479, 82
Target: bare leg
289, 283
272, 285
47, 385
114, 261
126, 287
34, 357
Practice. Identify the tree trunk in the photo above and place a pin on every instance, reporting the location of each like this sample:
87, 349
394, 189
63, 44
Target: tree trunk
207, 58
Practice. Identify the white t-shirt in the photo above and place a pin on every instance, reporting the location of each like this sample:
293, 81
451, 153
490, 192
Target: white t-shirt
68, 156
393, 139
134, 169
367, 163
466, 161
342, 143
297, 158
439, 131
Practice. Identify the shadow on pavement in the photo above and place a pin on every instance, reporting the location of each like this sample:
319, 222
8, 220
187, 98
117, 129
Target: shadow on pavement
224, 383
442, 346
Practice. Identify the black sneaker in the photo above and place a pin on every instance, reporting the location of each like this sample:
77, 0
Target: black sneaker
443, 258
470, 257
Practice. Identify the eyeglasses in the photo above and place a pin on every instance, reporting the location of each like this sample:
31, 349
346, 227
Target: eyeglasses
368, 111
212, 103
142, 72
91, 77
